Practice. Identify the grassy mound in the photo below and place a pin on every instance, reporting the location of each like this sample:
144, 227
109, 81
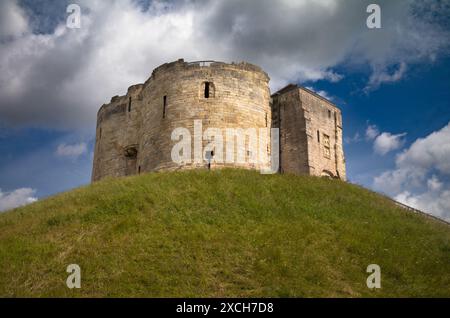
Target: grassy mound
227, 233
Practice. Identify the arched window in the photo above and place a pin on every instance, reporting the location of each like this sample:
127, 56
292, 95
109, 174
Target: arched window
327, 174
130, 153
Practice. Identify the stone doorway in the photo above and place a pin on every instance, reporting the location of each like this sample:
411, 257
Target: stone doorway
130, 154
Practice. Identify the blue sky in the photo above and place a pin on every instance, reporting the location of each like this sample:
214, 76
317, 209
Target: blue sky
393, 82
417, 105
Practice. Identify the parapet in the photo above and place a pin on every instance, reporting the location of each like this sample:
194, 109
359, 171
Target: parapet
290, 87
181, 64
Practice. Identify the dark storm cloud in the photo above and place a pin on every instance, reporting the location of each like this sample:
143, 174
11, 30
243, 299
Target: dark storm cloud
51, 76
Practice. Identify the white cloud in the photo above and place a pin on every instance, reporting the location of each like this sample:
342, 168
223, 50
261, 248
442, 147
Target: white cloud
16, 198
421, 178
434, 184
322, 93
380, 76
372, 132
74, 150
387, 142
60, 79
13, 21
432, 151
356, 138
436, 203
384, 142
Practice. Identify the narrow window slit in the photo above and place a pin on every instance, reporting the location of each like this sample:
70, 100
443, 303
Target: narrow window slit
207, 90
164, 106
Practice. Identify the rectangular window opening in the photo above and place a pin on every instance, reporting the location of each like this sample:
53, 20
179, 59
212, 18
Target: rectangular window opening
164, 106
129, 104
206, 90
318, 136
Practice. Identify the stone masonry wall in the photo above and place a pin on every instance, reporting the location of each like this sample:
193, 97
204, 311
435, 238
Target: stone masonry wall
324, 131
239, 98
311, 133
134, 131
289, 117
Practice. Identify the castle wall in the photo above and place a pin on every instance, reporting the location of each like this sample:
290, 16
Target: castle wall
310, 133
134, 131
111, 125
239, 98
289, 117
324, 134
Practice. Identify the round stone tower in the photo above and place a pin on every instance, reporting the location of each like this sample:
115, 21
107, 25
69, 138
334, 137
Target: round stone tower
135, 131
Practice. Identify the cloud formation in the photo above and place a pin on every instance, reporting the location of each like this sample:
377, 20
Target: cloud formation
322, 93
387, 142
16, 198
356, 138
421, 177
73, 151
381, 75
372, 132
59, 78
13, 21
384, 142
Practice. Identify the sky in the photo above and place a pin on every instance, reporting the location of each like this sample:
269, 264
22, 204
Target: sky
392, 83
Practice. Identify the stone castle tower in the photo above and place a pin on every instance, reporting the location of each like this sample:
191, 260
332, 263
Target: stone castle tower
134, 132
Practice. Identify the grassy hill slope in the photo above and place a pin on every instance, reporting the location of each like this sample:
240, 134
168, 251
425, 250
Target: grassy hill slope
222, 233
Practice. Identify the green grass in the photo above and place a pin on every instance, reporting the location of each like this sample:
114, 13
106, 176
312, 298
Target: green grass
229, 233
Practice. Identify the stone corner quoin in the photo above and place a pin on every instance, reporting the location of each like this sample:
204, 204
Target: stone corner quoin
133, 133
